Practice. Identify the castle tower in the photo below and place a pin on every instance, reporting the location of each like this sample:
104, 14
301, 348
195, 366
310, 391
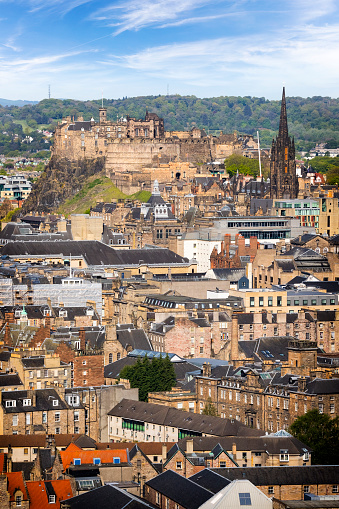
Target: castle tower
102, 115
283, 178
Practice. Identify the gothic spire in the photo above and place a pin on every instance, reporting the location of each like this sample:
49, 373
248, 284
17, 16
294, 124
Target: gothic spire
283, 129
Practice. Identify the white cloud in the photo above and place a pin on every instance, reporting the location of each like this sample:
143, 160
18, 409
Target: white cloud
138, 14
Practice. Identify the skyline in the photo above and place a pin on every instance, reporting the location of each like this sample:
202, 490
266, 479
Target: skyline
86, 48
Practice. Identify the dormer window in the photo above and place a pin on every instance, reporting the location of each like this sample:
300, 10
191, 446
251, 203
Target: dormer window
46, 312
27, 402
90, 312
76, 461
17, 313
63, 313
51, 499
11, 403
96, 461
55, 402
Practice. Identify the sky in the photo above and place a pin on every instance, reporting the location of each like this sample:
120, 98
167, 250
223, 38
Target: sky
86, 49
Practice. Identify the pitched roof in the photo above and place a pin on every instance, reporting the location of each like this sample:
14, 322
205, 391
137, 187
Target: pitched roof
37, 440
160, 414
268, 476
182, 491
94, 253
210, 480
106, 497
87, 457
39, 492
16, 482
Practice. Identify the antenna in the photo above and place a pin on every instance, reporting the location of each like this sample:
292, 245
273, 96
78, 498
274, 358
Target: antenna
102, 98
259, 154
49, 91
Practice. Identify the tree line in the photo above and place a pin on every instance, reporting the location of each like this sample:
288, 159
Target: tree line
311, 120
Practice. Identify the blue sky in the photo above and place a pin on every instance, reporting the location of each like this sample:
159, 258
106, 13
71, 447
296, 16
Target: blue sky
84, 48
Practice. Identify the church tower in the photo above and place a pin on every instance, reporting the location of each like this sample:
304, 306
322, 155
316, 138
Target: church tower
283, 178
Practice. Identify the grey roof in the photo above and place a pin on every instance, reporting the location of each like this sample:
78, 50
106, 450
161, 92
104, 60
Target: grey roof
270, 476
167, 416
182, 491
135, 338
210, 480
270, 443
44, 401
94, 253
106, 497
268, 348
9, 379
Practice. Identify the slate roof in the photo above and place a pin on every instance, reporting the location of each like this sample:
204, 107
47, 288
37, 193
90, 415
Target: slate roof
270, 476
37, 440
44, 401
167, 416
94, 253
303, 239
9, 379
23, 466
182, 491
276, 346
135, 338
211, 481
106, 497
270, 443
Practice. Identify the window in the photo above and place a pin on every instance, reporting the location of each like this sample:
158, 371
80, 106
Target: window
76, 416
57, 431
157, 499
76, 461
252, 302
306, 489
18, 500
55, 402
57, 417
261, 301
116, 461
284, 455
28, 419
44, 417
96, 461
222, 464
271, 490
245, 499
10, 403
51, 499
15, 420
27, 402
335, 488
179, 465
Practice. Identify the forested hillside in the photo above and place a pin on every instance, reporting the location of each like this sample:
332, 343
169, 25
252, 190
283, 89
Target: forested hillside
311, 120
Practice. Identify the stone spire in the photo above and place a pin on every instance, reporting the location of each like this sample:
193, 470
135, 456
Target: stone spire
283, 129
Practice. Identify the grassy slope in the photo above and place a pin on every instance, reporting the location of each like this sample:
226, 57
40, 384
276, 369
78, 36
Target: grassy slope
97, 188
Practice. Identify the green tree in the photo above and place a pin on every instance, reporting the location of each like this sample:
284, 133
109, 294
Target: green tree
209, 408
319, 432
155, 376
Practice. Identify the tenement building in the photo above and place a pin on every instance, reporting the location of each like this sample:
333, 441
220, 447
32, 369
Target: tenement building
270, 399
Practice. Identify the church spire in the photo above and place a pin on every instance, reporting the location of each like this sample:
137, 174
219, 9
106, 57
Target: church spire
283, 129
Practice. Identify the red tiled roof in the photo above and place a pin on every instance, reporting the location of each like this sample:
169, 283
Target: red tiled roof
39, 493
16, 482
87, 457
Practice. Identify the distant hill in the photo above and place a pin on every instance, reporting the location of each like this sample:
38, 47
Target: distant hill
19, 103
311, 120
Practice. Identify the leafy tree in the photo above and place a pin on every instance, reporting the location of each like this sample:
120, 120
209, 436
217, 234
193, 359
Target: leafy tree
209, 408
155, 376
241, 164
332, 176
319, 432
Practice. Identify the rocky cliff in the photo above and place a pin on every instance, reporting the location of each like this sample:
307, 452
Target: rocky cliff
61, 180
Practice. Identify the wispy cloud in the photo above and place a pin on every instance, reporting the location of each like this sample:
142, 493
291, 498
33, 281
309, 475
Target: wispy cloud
287, 55
138, 14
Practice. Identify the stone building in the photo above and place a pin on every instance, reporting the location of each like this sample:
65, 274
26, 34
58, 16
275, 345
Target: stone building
234, 255
39, 411
283, 178
267, 399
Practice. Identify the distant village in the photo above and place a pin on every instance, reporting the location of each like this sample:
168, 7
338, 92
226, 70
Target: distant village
156, 354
